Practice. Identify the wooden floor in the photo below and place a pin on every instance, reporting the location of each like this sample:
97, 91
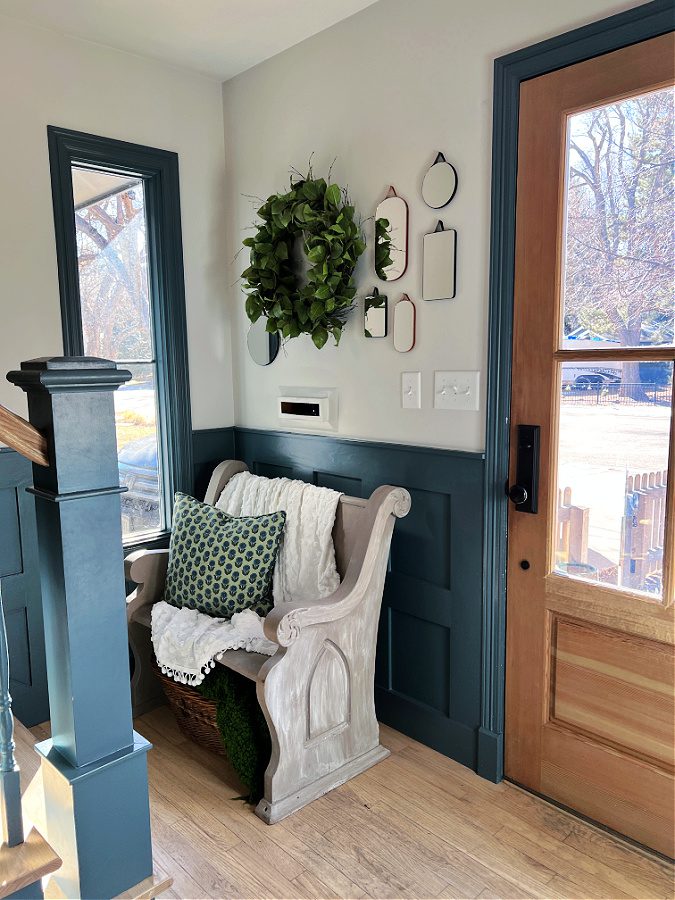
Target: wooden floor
416, 825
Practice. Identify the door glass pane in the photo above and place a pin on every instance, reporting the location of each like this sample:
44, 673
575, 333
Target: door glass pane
619, 256
113, 265
137, 443
612, 468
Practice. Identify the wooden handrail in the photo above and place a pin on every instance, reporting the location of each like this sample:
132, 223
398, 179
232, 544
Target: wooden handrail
23, 437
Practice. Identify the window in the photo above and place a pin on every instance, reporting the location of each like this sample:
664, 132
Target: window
618, 319
118, 238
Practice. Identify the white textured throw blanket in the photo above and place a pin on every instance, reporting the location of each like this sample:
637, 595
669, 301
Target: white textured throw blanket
188, 643
305, 568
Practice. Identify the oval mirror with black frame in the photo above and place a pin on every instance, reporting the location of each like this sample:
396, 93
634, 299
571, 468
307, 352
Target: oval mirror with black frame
262, 346
391, 237
440, 183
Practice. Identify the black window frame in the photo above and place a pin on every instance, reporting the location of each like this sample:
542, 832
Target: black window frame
159, 171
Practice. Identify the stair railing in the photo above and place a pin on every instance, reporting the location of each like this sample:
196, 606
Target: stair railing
10, 787
23, 437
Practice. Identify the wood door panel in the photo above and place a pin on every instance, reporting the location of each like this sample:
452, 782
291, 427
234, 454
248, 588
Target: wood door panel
615, 688
590, 715
626, 794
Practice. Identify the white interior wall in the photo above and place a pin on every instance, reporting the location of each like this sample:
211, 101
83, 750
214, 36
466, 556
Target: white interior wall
381, 93
49, 79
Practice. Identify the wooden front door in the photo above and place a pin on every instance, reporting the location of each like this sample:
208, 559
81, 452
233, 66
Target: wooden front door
591, 577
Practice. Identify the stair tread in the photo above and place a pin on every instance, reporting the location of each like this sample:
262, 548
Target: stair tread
26, 863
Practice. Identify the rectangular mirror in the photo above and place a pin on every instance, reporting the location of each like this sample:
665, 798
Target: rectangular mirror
375, 315
439, 265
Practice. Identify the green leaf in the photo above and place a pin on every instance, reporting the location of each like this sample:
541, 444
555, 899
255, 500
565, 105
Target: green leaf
271, 327
253, 308
285, 217
281, 251
316, 310
323, 292
248, 242
317, 254
319, 336
332, 197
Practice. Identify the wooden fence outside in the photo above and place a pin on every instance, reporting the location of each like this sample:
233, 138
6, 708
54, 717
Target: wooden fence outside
640, 564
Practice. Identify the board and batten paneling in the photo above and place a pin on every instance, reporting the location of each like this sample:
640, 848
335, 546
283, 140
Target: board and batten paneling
20, 585
428, 672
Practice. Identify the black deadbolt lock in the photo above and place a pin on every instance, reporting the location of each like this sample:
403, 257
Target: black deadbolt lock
524, 492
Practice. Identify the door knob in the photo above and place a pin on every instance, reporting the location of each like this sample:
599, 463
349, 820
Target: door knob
518, 494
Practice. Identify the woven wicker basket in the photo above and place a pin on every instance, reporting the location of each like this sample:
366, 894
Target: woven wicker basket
195, 715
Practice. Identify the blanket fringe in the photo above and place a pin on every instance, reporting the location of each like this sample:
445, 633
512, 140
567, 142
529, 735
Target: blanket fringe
189, 678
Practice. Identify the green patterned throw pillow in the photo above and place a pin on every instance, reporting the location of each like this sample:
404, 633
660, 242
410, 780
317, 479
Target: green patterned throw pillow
220, 565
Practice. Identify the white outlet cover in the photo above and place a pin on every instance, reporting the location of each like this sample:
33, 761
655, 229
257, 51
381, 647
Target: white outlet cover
457, 390
411, 390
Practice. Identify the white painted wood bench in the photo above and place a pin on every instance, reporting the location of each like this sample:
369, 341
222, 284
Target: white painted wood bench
317, 691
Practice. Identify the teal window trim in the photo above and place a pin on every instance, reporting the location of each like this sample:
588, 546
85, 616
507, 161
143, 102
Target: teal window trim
159, 171
639, 24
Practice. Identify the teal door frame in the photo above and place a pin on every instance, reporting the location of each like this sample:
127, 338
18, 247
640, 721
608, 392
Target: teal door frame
638, 24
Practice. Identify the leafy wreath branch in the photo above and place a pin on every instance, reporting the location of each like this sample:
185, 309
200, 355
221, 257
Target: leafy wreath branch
321, 214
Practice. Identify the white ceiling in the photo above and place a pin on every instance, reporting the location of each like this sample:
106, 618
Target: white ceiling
216, 37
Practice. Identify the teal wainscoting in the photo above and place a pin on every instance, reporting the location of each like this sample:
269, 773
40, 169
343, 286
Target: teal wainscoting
428, 676
20, 579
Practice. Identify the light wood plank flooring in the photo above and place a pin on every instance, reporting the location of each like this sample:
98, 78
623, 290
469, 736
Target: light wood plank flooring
416, 825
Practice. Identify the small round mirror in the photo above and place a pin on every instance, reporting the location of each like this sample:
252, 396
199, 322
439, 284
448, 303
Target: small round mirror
262, 347
439, 184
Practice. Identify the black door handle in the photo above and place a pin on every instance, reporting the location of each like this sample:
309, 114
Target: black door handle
524, 493
518, 494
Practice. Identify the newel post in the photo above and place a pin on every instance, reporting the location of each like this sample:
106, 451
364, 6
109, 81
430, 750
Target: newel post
94, 767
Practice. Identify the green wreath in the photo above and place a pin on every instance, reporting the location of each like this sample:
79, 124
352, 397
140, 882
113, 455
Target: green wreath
332, 242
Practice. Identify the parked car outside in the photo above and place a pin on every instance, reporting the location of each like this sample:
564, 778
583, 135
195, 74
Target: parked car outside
139, 473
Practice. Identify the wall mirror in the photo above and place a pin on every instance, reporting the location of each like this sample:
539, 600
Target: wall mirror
404, 325
439, 264
375, 315
262, 347
391, 237
440, 183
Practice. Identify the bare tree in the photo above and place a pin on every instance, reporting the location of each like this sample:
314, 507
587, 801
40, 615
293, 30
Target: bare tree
112, 261
620, 260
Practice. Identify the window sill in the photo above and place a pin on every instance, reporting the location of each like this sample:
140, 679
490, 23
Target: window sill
155, 541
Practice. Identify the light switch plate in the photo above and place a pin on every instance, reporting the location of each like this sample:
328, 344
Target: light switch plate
456, 390
411, 390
